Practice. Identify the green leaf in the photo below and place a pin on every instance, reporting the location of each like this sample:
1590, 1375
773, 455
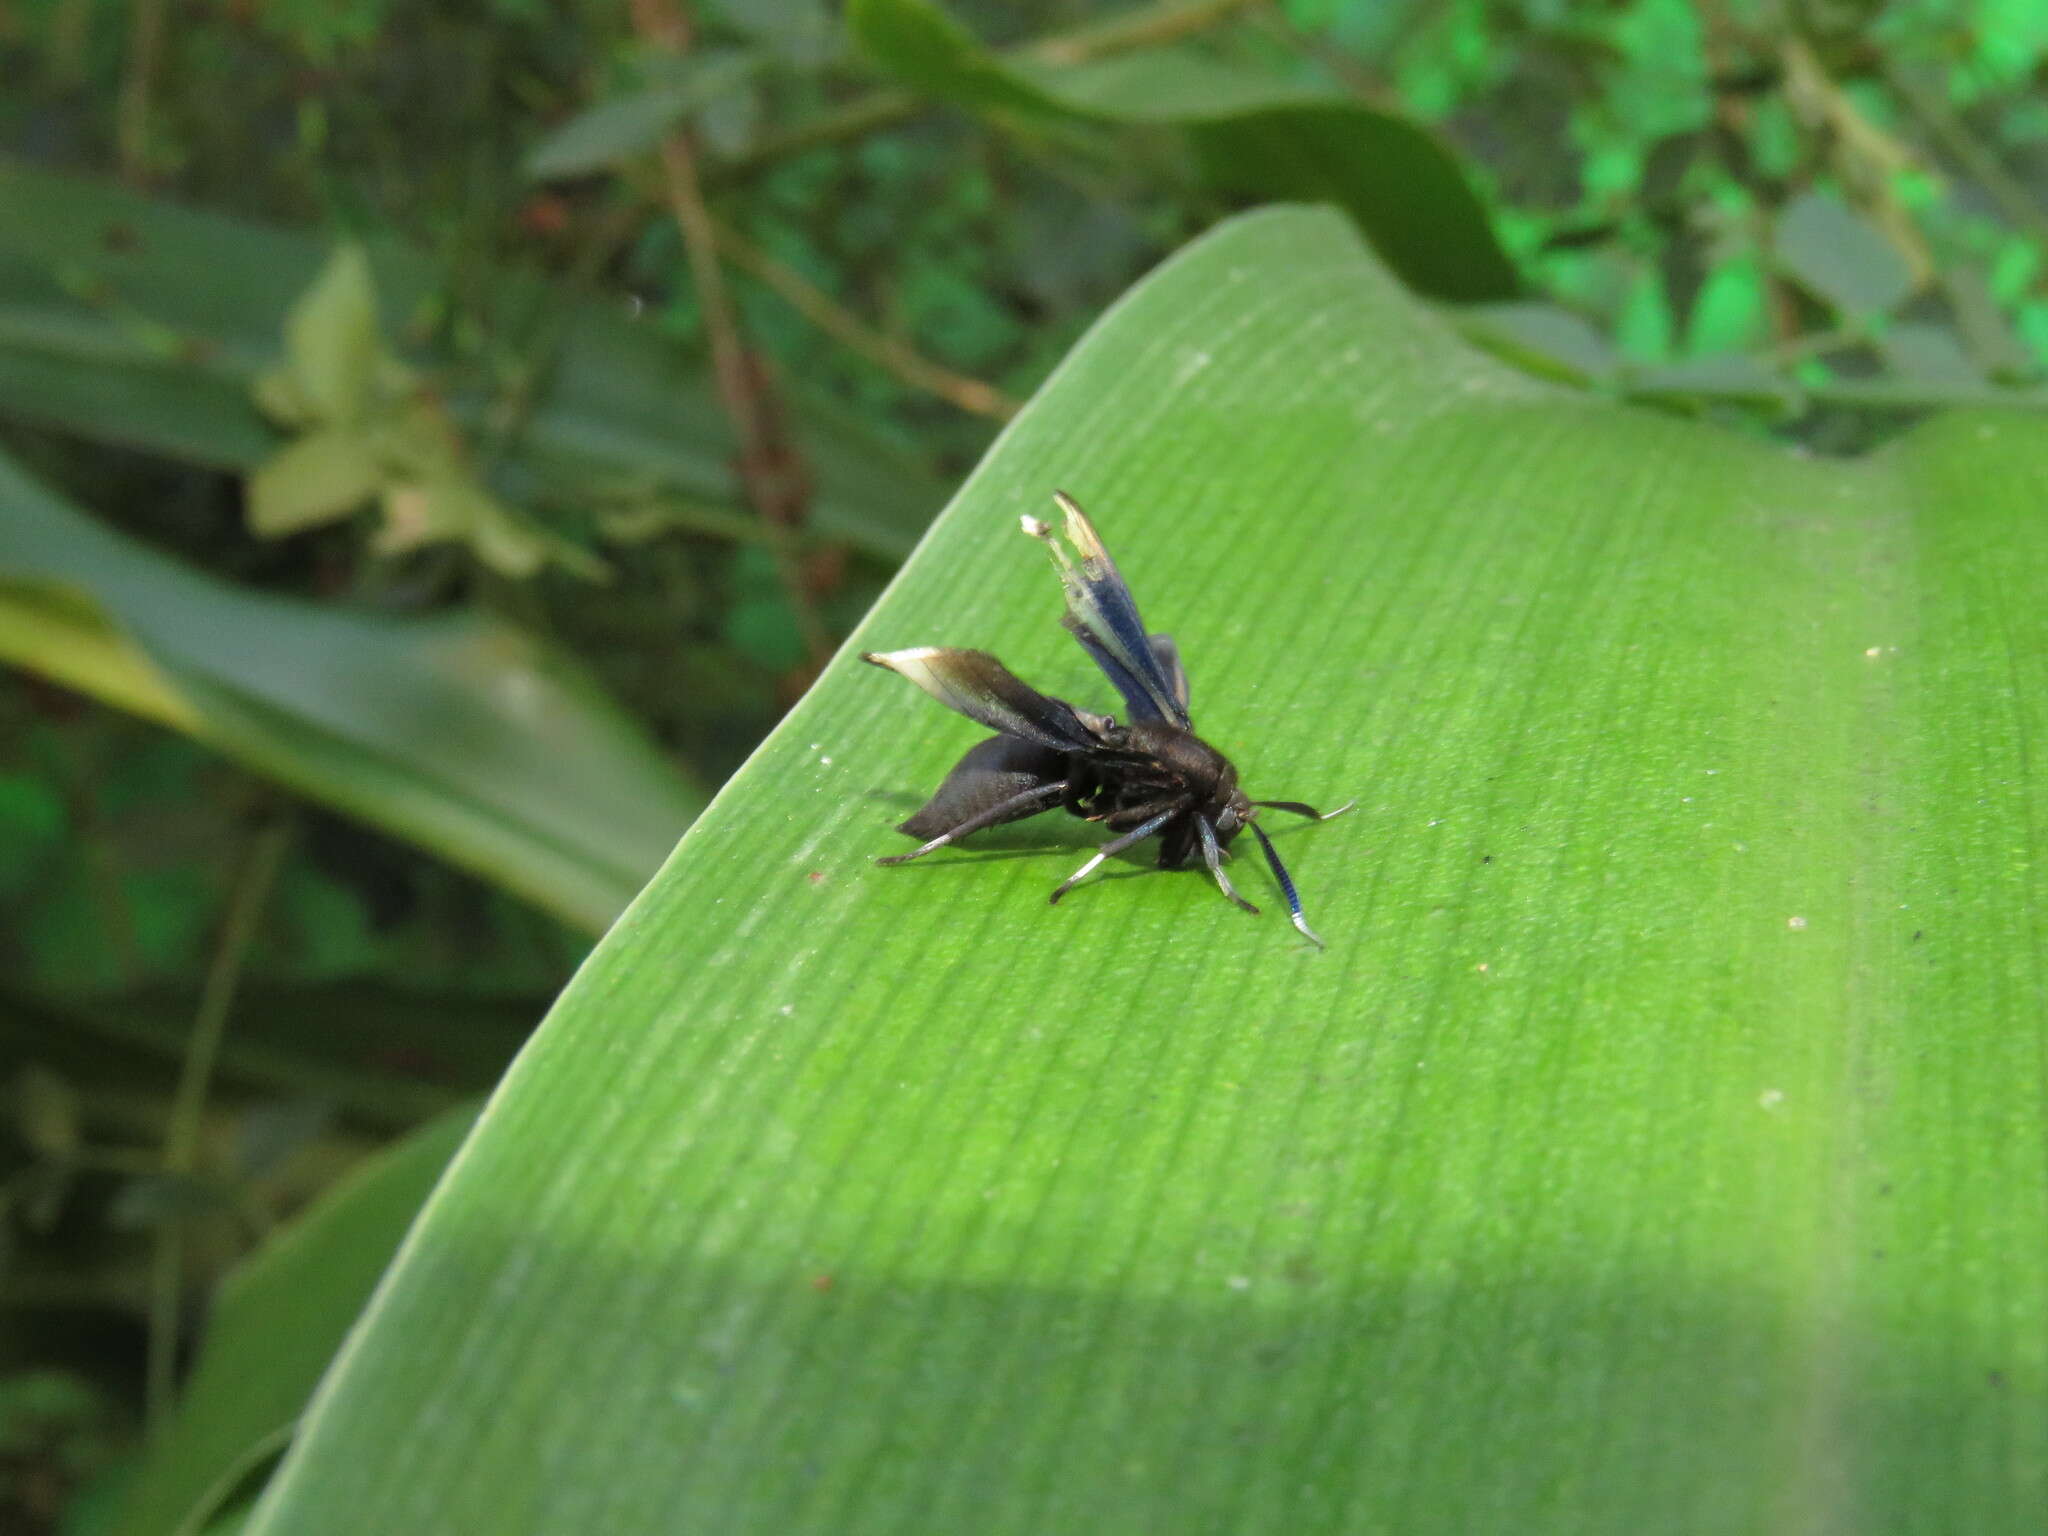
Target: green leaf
1930, 354
1655, 1147
93, 279
1984, 327
1728, 315
462, 733
1726, 376
333, 351
1544, 339
1253, 136
1840, 257
452, 505
278, 1321
313, 480
634, 123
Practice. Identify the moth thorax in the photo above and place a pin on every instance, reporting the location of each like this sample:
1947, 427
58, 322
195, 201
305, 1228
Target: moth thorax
1207, 773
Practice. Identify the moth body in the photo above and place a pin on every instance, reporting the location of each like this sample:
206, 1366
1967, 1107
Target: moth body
1150, 777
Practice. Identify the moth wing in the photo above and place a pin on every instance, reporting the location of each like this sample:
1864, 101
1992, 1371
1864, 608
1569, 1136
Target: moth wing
1104, 617
993, 771
987, 692
1167, 654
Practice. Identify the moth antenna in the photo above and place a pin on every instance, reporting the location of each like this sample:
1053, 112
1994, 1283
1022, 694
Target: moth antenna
1286, 885
1213, 856
1297, 808
1115, 845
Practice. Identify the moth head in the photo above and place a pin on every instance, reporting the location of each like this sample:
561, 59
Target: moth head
1231, 817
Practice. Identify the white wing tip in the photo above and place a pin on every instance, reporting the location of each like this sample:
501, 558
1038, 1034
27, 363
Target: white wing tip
1079, 530
896, 661
1033, 526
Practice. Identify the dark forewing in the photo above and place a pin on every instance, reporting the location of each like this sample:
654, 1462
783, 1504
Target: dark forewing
1167, 654
1104, 617
985, 691
996, 770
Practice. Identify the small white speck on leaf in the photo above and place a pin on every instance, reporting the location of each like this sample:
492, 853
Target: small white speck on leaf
1771, 1098
1240, 1282
1795, 923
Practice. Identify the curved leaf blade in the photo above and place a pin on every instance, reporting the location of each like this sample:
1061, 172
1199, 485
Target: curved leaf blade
278, 1321
1656, 1146
133, 320
461, 733
1253, 136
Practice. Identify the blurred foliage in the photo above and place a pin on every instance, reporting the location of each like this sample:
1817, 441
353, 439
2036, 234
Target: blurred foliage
1817, 219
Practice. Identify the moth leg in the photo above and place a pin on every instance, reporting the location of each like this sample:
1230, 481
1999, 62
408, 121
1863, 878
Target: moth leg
1306, 810
1286, 885
987, 818
1136, 835
1213, 855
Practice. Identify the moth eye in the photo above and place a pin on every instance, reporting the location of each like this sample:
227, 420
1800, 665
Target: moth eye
1227, 821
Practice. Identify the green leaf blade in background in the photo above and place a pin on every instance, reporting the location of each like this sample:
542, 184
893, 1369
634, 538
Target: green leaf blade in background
133, 320
1253, 136
276, 1324
460, 732
1656, 1146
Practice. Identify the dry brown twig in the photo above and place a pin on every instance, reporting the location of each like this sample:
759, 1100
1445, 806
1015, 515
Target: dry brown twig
886, 351
771, 470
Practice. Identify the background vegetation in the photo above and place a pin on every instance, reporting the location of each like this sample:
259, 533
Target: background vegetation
437, 443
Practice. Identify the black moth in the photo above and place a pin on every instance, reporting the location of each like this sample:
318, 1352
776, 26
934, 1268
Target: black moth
1152, 777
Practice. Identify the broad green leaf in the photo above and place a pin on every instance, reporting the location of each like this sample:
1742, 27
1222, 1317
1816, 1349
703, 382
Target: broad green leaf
461, 733
1656, 1147
1253, 136
1840, 257
276, 1324
129, 320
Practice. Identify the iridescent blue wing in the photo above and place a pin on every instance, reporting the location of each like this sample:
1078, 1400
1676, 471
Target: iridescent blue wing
984, 690
1104, 617
1167, 654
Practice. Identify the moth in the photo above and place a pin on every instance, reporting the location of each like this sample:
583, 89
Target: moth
1149, 777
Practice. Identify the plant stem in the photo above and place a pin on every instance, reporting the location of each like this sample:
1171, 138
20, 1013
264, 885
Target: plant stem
770, 469
138, 84
1977, 161
857, 119
880, 348
1144, 27
246, 901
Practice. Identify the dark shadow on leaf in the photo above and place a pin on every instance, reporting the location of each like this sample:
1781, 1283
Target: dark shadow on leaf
1297, 1388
